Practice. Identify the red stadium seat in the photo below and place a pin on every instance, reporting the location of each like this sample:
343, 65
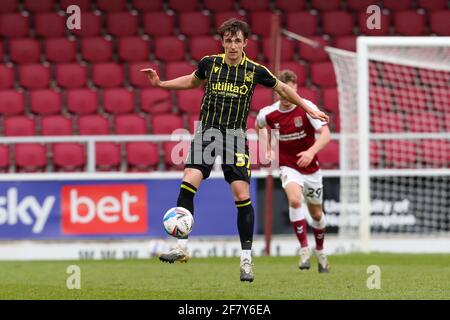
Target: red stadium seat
156, 100
93, 124
142, 156
19, 126
24, 50
166, 123
7, 6
56, 125
6, 77
194, 23
118, 100
221, 17
192, 121
85, 5
302, 22
159, 24
262, 97
34, 76
441, 100
297, 68
289, 5
96, 49
183, 5
331, 100
60, 50
313, 54
286, 52
329, 156
30, 157
122, 24
252, 5
169, 49
390, 73
69, 156
387, 122
178, 69
107, 75
111, 5
308, 93
50, 24
433, 4
82, 101
138, 78
322, 74
435, 153
252, 49
424, 122
409, 23
397, 5
71, 75
4, 158
439, 22
375, 153
91, 25
447, 121
202, 46
39, 6
190, 101
260, 22
346, 43
385, 24
216, 6
381, 99
175, 161
360, 5
14, 25
11, 103
1, 52
133, 49
337, 23
130, 124
400, 153
145, 5
251, 122
107, 156
45, 102
325, 5
411, 98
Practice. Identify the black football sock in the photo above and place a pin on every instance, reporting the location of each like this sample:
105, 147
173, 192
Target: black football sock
245, 222
186, 196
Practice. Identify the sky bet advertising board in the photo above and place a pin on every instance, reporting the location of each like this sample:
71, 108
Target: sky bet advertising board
109, 209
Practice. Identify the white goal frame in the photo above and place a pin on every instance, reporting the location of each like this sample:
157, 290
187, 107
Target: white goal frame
364, 172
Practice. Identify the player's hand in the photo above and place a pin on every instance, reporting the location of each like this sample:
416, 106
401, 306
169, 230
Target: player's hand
305, 158
269, 156
319, 115
152, 76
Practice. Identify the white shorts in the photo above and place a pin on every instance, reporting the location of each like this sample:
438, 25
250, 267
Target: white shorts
311, 183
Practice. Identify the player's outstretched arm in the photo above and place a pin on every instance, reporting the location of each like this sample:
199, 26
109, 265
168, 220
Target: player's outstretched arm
185, 82
289, 94
306, 157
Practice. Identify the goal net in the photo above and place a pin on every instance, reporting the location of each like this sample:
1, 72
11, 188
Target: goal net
394, 138
394, 105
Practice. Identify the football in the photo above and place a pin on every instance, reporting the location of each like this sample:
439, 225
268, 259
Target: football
178, 222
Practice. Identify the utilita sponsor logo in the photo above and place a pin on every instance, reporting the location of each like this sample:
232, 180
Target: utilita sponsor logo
104, 209
27, 210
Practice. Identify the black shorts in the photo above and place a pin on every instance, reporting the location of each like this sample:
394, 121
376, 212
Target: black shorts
232, 148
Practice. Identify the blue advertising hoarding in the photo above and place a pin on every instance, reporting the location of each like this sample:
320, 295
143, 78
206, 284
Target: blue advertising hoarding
105, 209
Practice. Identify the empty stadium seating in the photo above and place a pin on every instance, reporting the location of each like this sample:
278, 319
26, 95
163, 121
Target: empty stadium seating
55, 81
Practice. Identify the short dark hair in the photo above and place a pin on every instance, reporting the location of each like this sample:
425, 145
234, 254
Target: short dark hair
234, 25
287, 76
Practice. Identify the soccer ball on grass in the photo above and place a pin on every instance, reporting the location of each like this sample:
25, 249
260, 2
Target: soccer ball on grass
178, 222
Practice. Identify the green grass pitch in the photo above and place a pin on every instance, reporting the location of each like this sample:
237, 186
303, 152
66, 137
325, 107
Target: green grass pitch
403, 276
